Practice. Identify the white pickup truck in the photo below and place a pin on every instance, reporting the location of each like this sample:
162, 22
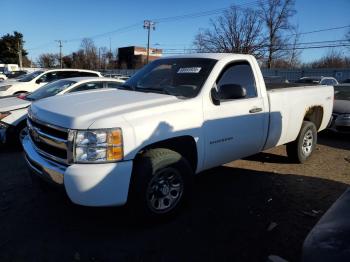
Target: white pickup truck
142, 144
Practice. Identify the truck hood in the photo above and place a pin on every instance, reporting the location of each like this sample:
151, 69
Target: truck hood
81, 110
341, 106
12, 103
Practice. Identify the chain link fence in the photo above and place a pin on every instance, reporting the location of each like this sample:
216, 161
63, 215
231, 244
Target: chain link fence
289, 74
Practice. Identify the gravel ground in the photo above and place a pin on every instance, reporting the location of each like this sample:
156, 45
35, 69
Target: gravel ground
243, 211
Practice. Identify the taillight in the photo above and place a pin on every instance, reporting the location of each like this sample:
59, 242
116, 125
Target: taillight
22, 96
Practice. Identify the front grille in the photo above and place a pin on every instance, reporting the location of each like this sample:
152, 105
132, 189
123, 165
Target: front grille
49, 141
50, 130
57, 152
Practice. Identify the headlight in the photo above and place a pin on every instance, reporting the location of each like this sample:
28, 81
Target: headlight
4, 88
98, 146
4, 114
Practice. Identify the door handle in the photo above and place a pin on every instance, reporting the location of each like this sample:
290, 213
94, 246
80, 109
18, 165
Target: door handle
255, 110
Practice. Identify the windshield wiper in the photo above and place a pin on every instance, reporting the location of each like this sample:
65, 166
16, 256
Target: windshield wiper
155, 90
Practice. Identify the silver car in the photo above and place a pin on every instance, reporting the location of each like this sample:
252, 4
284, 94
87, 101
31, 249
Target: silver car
340, 121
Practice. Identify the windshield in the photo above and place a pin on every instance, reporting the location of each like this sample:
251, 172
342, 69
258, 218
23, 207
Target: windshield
50, 89
30, 77
183, 77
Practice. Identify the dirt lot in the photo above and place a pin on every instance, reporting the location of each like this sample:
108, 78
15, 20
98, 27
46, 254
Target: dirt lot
227, 220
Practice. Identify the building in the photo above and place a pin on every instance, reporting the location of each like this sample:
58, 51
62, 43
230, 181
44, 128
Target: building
134, 57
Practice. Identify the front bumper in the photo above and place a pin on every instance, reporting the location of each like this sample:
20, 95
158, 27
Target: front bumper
85, 184
339, 124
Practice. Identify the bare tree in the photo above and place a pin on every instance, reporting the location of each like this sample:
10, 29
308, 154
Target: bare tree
333, 59
236, 31
48, 60
294, 53
78, 59
90, 53
347, 37
276, 15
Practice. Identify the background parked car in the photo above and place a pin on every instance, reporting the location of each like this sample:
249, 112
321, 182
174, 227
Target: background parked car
16, 74
321, 80
2, 77
275, 79
340, 121
31, 82
13, 110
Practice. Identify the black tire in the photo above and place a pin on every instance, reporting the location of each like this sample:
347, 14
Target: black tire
302, 148
14, 136
160, 174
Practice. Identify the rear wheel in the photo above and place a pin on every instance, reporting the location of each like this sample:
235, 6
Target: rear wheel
161, 182
302, 148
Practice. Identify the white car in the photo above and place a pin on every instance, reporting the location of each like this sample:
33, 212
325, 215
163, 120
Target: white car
175, 118
2, 77
13, 110
321, 80
31, 82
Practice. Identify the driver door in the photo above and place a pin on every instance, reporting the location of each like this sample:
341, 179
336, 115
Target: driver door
236, 127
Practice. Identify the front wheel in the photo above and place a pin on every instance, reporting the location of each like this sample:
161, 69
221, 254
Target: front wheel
161, 182
302, 148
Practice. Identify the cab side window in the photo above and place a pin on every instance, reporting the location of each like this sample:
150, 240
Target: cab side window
240, 74
49, 77
88, 86
113, 84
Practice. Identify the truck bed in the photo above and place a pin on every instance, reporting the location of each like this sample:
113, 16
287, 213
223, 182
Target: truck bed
271, 86
289, 103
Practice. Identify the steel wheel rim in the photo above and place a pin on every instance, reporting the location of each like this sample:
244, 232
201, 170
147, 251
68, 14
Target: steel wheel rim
307, 143
165, 190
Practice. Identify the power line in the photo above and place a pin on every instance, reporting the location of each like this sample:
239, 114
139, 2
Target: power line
203, 13
321, 30
181, 51
40, 46
297, 44
119, 30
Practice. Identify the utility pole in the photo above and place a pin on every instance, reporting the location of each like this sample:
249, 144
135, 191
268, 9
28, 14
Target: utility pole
19, 47
148, 24
60, 45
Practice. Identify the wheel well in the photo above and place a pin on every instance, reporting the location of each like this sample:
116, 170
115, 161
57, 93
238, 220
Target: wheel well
20, 92
184, 145
315, 114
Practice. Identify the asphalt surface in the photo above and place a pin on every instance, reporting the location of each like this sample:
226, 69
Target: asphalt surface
243, 211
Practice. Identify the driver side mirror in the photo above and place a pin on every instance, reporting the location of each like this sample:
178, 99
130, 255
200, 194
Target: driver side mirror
38, 81
228, 91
